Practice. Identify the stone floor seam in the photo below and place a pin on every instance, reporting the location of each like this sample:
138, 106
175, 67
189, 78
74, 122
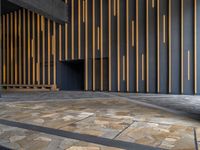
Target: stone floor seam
195, 139
123, 130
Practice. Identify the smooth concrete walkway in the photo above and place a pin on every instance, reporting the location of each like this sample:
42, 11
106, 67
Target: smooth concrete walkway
95, 120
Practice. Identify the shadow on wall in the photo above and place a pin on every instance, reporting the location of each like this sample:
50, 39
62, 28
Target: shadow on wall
71, 75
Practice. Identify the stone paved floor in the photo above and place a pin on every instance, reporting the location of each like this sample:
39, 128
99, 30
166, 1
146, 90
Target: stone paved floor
111, 116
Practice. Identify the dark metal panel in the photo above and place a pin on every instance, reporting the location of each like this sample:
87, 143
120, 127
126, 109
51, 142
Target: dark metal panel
152, 48
114, 49
176, 47
54, 9
132, 49
122, 44
142, 44
188, 46
163, 48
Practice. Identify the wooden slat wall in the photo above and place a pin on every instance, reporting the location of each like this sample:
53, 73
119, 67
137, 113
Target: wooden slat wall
23, 43
124, 65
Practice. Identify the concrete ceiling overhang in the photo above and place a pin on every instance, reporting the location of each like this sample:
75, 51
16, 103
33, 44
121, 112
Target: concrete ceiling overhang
56, 10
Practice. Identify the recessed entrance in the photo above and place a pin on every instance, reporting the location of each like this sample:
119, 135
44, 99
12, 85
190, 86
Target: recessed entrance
71, 75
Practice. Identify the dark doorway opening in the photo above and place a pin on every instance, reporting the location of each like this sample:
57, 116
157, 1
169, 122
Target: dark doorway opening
71, 75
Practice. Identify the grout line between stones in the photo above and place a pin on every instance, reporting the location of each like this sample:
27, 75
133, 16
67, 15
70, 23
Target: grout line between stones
195, 139
123, 130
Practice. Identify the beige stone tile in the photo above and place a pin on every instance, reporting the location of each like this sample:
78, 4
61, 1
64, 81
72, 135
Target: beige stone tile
158, 135
198, 134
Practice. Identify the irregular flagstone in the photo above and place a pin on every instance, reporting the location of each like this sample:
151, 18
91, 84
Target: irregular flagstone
148, 134
40, 121
45, 139
99, 117
67, 143
198, 134
16, 138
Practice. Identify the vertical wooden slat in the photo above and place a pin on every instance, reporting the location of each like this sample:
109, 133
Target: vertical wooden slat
195, 46
101, 45
29, 50
188, 65
164, 29
54, 53
72, 27
38, 49
15, 47
66, 41
93, 42
86, 45
114, 7
43, 49
83, 11
66, 38
182, 47
137, 48
118, 46
153, 3
20, 47
33, 46
4, 48
98, 38
49, 52
11, 47
127, 45
133, 33
158, 46
60, 42
110, 46
24, 46
170, 48
147, 46
79, 29
142, 67
124, 68
8, 48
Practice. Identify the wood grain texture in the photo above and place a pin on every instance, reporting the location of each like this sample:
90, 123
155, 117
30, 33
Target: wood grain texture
15, 47
127, 47
11, 49
33, 47
20, 45
8, 47
29, 48
60, 42
24, 46
38, 48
